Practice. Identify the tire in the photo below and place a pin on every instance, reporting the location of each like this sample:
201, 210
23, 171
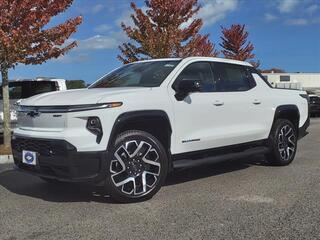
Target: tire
137, 166
282, 143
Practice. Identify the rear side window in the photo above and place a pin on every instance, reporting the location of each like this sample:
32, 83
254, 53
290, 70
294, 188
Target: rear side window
200, 71
232, 78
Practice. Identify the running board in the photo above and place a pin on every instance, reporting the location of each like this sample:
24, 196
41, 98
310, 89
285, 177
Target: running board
186, 163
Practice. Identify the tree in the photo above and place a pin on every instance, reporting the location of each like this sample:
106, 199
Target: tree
24, 39
235, 44
166, 29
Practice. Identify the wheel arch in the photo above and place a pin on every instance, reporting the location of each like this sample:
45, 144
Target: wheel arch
155, 122
289, 112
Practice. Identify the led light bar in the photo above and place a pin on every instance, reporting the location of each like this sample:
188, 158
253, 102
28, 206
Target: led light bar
69, 108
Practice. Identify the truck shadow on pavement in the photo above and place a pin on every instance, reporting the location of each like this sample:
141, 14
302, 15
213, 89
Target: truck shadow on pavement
191, 174
27, 185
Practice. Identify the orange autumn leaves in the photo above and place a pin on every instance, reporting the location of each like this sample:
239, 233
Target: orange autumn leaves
235, 44
166, 29
23, 35
170, 28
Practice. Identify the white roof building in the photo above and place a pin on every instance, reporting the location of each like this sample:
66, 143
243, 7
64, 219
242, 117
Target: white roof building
306, 81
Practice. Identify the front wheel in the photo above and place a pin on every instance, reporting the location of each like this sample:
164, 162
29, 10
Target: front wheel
282, 143
137, 166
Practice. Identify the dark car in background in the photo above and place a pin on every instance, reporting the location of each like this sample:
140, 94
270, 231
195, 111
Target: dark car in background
314, 105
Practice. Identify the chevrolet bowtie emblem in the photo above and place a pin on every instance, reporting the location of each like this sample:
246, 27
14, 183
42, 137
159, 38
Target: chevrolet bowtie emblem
33, 114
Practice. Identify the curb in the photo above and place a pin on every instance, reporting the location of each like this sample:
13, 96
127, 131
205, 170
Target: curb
5, 159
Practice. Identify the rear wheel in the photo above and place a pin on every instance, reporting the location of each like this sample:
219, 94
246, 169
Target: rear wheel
137, 166
282, 143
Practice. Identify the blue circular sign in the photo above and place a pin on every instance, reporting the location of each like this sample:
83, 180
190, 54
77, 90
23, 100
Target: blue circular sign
29, 157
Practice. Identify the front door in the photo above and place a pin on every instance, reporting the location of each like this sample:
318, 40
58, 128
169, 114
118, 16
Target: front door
194, 117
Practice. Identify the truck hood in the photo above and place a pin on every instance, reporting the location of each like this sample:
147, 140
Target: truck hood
81, 96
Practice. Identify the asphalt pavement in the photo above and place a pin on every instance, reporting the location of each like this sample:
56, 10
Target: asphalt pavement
240, 199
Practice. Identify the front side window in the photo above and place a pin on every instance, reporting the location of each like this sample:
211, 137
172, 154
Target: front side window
232, 77
143, 74
200, 71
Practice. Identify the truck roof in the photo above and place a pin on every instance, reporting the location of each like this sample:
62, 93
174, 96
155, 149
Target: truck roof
213, 59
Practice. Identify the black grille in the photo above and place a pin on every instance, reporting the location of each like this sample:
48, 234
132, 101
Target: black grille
43, 147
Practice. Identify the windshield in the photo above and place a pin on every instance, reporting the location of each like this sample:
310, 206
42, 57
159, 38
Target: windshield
143, 74
21, 90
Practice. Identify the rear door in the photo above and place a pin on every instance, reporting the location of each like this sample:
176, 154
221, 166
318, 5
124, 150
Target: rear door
239, 116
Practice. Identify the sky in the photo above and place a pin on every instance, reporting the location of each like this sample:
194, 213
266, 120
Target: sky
285, 33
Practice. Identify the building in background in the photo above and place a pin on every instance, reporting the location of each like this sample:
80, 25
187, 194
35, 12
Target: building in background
305, 81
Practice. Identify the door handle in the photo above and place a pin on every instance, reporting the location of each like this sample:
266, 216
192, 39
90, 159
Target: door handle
256, 102
218, 103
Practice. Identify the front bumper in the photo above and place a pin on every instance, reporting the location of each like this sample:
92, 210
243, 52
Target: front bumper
58, 159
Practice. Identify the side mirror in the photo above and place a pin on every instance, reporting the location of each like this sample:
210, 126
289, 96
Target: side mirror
185, 87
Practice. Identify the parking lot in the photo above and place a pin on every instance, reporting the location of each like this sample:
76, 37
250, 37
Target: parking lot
243, 199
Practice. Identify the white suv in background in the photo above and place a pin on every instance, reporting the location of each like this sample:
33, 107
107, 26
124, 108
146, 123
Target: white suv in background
142, 120
24, 88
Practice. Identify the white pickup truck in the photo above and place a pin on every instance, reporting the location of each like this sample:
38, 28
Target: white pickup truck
142, 120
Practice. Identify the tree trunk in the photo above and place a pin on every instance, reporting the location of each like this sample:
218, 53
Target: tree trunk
6, 108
